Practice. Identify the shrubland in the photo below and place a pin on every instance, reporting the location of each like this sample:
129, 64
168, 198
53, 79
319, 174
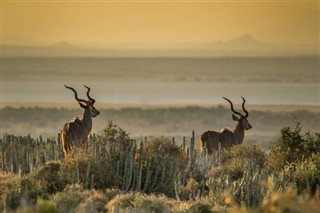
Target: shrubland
156, 122
114, 173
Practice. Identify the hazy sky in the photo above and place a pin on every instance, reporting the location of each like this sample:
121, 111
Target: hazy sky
155, 23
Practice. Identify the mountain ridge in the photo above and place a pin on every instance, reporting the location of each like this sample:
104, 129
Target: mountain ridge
245, 45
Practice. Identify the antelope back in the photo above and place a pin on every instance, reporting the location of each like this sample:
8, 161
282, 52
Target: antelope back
227, 138
210, 141
73, 135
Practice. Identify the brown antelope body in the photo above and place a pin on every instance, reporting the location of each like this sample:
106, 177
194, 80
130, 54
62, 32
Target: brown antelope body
227, 137
77, 131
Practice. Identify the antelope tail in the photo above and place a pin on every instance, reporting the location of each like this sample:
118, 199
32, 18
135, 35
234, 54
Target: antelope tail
201, 143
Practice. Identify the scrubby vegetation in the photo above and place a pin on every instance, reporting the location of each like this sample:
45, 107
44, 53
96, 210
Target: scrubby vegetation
114, 173
172, 122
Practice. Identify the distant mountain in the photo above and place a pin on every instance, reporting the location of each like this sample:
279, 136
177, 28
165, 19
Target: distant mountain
244, 42
243, 46
64, 44
247, 45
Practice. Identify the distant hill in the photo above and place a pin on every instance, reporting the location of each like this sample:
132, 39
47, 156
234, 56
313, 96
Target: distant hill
245, 42
245, 46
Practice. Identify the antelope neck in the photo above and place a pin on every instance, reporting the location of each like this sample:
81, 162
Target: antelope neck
87, 120
239, 133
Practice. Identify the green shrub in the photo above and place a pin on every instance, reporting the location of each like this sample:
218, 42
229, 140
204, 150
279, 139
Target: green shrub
40, 207
242, 174
241, 159
113, 160
164, 145
96, 202
30, 189
52, 177
245, 154
74, 198
13, 189
306, 174
94, 171
294, 159
292, 147
200, 206
148, 167
140, 202
9, 191
69, 199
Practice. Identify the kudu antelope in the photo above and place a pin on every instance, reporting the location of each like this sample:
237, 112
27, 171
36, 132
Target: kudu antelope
211, 139
77, 131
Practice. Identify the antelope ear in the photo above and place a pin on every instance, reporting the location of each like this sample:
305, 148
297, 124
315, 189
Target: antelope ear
235, 118
82, 105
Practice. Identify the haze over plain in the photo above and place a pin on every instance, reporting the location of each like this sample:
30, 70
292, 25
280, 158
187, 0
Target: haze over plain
208, 28
158, 53
171, 48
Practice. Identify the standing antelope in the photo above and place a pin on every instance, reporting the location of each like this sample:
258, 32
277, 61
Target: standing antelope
77, 131
227, 137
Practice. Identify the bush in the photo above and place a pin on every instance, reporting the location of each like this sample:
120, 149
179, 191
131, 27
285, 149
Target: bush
293, 146
242, 175
113, 160
194, 207
200, 206
75, 198
241, 159
91, 171
135, 201
41, 206
165, 145
97, 201
306, 174
69, 199
9, 191
295, 159
14, 188
52, 177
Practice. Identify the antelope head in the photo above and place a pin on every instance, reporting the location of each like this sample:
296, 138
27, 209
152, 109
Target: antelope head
242, 119
86, 105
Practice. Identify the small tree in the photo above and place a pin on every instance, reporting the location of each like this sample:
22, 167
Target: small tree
292, 147
295, 159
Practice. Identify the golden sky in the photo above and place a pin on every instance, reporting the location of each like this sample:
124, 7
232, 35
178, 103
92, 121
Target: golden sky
157, 23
